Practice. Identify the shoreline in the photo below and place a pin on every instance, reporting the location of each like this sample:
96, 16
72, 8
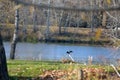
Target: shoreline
80, 42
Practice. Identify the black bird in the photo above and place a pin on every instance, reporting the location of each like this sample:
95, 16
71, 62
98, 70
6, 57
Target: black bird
68, 52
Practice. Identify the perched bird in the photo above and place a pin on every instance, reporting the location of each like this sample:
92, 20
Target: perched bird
68, 52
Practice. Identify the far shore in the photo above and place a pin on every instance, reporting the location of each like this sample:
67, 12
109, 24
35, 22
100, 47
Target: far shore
81, 36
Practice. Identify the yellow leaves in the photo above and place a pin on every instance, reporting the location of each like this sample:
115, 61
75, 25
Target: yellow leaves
83, 16
17, 7
7, 22
109, 1
98, 34
32, 9
116, 43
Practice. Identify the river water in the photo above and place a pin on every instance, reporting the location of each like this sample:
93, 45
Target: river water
56, 52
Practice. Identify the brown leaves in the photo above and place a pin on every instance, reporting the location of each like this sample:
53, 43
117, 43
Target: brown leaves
88, 73
97, 73
60, 74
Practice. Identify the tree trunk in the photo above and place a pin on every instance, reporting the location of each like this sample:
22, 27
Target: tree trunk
104, 19
60, 22
66, 22
92, 27
14, 42
24, 24
34, 20
48, 22
3, 64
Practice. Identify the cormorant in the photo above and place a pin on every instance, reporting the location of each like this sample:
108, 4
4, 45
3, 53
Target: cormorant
68, 52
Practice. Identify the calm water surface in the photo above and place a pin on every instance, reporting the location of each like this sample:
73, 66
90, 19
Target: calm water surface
46, 51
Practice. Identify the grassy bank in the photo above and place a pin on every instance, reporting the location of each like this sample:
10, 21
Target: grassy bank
34, 70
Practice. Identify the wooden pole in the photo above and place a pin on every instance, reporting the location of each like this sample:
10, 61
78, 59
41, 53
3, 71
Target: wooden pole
81, 75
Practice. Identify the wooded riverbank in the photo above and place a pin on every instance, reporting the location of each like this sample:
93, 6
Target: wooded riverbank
69, 35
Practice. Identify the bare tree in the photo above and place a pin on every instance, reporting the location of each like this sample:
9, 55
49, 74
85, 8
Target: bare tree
60, 22
48, 22
6, 8
25, 18
34, 17
112, 33
15, 36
